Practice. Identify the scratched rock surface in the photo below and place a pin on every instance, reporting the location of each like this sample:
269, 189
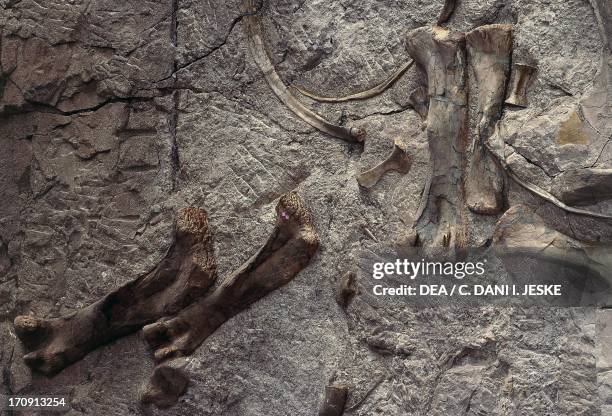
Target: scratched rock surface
113, 114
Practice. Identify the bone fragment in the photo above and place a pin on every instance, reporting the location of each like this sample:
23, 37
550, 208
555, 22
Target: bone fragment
347, 289
167, 383
185, 274
372, 92
334, 400
442, 55
445, 14
522, 232
258, 50
583, 186
524, 76
489, 48
288, 250
419, 101
398, 161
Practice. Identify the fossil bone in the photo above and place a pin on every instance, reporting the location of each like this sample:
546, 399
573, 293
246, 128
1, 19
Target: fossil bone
442, 54
419, 101
334, 400
522, 232
258, 50
288, 250
398, 161
445, 14
347, 289
186, 273
167, 383
583, 186
372, 92
522, 79
489, 49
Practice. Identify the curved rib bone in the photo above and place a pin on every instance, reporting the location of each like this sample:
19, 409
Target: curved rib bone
398, 161
522, 232
372, 92
185, 274
258, 50
445, 14
521, 81
334, 400
442, 54
288, 250
489, 49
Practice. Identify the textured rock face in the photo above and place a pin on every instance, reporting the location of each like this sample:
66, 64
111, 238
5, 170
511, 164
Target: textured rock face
115, 114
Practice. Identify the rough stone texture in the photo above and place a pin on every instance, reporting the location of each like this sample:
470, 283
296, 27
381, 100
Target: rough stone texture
113, 114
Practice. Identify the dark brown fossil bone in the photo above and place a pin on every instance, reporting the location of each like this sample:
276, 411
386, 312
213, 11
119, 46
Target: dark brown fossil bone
441, 53
288, 250
522, 79
398, 161
258, 50
372, 92
167, 383
522, 232
186, 273
489, 48
334, 400
445, 14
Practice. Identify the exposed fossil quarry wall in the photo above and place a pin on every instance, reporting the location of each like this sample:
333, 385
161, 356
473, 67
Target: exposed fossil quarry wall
117, 115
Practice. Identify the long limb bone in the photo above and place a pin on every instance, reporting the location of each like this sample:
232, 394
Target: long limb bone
521, 81
372, 92
287, 251
258, 50
442, 55
398, 161
489, 49
522, 232
185, 274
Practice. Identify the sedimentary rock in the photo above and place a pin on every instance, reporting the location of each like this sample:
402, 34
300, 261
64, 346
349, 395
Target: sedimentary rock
522, 79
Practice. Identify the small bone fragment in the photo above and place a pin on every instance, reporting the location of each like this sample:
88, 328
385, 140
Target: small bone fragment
419, 101
258, 50
372, 92
347, 289
442, 54
524, 76
583, 186
489, 48
398, 161
288, 250
522, 232
334, 400
445, 14
185, 274
167, 383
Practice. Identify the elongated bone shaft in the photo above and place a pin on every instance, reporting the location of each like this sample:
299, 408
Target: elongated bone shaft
185, 274
442, 54
362, 95
398, 161
524, 76
258, 50
489, 48
288, 250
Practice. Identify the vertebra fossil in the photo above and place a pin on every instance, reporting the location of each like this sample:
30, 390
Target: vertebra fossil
398, 161
489, 48
186, 273
521, 81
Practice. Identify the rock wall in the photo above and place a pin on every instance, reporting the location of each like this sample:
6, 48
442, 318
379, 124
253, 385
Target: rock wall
113, 115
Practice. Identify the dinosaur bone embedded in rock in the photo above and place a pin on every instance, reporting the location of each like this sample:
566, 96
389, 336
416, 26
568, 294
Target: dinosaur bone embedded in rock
182, 276
489, 48
447, 10
347, 289
522, 79
372, 92
167, 383
288, 250
419, 101
334, 400
522, 232
442, 55
398, 161
258, 50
